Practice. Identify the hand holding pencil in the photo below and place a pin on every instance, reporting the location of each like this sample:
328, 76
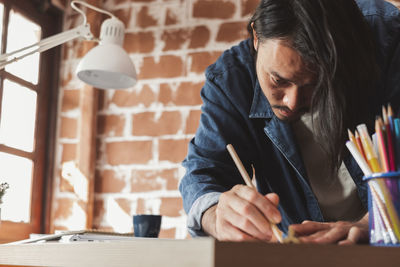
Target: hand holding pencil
243, 214
276, 232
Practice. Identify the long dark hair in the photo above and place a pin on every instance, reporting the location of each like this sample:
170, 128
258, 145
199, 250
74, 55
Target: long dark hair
332, 36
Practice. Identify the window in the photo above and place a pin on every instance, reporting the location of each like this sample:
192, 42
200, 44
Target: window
28, 98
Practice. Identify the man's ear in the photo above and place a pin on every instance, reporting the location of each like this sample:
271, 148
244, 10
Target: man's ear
255, 38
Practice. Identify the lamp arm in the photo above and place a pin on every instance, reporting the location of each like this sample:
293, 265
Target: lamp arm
47, 43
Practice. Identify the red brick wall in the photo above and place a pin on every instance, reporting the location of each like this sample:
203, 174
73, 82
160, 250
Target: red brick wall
143, 132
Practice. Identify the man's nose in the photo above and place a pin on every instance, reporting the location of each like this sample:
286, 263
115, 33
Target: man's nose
291, 98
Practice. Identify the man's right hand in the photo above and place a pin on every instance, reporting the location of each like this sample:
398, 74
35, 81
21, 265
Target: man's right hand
242, 214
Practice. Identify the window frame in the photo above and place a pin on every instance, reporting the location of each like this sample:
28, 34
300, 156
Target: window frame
50, 20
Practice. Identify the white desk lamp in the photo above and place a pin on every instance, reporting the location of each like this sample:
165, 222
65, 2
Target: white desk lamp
106, 66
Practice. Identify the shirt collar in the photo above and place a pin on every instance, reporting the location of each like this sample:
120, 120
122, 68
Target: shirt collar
260, 108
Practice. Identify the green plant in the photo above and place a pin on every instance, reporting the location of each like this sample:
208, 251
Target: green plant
3, 188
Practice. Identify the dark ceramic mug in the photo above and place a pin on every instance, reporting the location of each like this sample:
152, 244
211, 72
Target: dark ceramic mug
145, 225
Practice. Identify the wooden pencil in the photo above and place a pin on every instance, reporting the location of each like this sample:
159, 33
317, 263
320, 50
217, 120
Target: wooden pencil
381, 145
277, 233
370, 152
359, 145
389, 137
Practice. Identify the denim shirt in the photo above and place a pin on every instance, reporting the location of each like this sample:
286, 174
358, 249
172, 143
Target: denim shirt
235, 111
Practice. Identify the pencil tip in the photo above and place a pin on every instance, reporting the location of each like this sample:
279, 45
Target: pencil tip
384, 114
390, 110
351, 136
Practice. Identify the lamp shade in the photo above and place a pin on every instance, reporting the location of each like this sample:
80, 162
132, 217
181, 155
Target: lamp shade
107, 66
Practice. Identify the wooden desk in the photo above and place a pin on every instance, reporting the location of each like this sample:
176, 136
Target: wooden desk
197, 252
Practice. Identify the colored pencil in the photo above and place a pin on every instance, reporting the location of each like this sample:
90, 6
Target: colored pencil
379, 233
389, 139
359, 144
351, 137
381, 146
390, 117
371, 155
376, 147
397, 141
391, 225
381, 154
361, 161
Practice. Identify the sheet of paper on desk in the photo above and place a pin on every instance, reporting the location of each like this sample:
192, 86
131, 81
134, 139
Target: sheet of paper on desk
88, 237
78, 235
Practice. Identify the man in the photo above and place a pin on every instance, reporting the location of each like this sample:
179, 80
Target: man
285, 99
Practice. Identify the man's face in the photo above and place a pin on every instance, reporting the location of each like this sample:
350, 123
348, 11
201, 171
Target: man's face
284, 79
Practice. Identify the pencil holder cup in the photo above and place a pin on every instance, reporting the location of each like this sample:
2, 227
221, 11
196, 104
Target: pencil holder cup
384, 208
146, 225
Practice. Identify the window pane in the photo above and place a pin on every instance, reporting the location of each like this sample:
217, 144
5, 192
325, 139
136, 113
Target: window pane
21, 33
17, 172
18, 116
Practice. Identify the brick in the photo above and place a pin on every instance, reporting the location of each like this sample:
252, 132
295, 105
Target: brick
148, 206
65, 185
172, 177
154, 180
74, 49
201, 60
108, 181
187, 94
66, 79
69, 127
139, 42
63, 208
171, 206
173, 150
123, 98
123, 15
166, 67
129, 152
213, 9
192, 122
174, 39
70, 100
68, 152
199, 37
232, 32
140, 206
167, 233
125, 205
166, 95
111, 125
147, 123
171, 18
144, 19
249, 6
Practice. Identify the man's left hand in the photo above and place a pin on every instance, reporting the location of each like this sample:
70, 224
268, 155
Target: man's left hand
342, 233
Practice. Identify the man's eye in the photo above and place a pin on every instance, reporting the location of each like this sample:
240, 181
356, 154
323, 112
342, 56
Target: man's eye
277, 81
